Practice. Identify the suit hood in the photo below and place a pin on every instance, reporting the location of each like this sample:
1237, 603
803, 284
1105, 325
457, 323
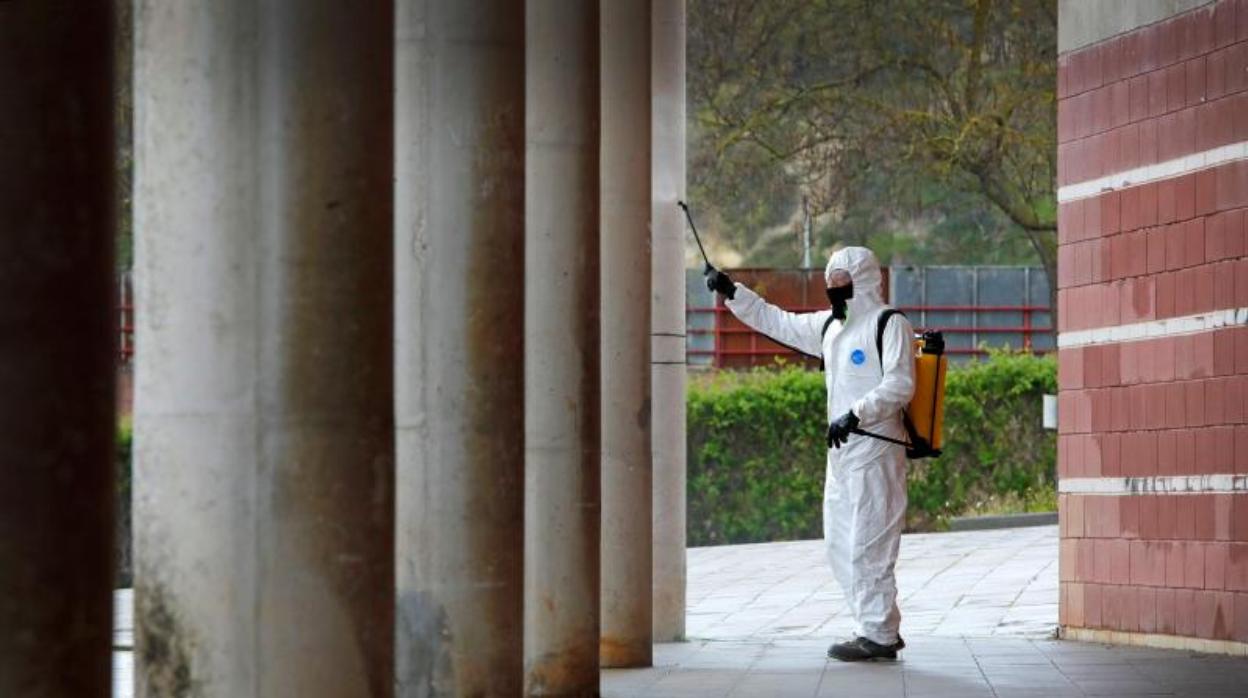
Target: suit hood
864, 269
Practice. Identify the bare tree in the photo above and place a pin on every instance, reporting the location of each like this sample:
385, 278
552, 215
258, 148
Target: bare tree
829, 91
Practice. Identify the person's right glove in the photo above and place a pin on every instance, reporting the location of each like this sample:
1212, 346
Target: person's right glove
720, 282
840, 429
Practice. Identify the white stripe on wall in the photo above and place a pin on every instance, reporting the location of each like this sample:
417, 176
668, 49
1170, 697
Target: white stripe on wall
1156, 484
1154, 329
1153, 173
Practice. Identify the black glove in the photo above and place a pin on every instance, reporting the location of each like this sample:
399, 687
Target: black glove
717, 280
839, 429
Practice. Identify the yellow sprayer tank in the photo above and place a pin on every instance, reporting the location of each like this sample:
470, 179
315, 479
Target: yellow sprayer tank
926, 412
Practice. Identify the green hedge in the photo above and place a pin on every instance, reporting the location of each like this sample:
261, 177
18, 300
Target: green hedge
756, 450
125, 439
756, 453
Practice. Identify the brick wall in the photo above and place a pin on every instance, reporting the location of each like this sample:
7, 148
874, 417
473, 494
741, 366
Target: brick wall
1153, 185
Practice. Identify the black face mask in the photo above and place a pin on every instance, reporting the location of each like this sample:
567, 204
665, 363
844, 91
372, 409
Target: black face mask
838, 297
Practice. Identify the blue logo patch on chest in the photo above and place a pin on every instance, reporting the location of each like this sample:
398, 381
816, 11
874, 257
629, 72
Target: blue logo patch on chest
858, 356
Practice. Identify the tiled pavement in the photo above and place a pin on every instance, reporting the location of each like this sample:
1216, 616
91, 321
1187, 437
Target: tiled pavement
1000, 582
979, 609
932, 667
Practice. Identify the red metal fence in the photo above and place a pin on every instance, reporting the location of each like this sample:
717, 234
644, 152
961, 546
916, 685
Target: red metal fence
738, 346
735, 345
125, 312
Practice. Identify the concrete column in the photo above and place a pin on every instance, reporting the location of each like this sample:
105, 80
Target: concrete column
625, 236
57, 339
264, 421
460, 346
667, 372
561, 358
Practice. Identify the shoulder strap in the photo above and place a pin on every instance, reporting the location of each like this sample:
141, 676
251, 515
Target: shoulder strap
826, 324
879, 332
823, 335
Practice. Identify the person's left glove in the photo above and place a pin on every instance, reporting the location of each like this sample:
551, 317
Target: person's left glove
840, 428
717, 280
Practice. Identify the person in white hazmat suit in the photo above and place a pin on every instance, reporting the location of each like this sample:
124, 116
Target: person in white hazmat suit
864, 496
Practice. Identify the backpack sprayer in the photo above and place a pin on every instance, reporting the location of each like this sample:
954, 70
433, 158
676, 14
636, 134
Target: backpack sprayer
924, 416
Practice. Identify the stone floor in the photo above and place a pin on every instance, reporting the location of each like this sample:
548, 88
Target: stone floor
980, 583
979, 610
932, 667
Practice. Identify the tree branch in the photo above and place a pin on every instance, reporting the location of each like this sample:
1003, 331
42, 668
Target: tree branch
974, 55
1012, 201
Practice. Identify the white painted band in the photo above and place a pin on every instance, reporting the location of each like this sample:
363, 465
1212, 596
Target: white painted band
1154, 484
1153, 173
1154, 329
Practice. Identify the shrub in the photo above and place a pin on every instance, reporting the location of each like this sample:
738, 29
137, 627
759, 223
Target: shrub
994, 443
756, 444
125, 438
756, 450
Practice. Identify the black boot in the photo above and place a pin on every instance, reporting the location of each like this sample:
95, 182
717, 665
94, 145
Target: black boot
861, 649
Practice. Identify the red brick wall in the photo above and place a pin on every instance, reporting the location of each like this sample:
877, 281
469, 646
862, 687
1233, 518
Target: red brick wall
1172, 564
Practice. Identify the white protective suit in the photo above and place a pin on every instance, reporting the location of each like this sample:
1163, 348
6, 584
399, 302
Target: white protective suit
864, 495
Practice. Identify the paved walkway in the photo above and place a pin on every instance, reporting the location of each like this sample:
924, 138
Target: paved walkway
932, 667
978, 583
978, 613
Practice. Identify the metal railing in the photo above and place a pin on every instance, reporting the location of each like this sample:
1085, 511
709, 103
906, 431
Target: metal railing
125, 312
760, 350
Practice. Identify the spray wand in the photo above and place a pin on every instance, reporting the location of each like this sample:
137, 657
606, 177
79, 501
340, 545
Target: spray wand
688, 216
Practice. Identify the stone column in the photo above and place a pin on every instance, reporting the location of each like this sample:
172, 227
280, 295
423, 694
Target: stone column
57, 348
561, 358
668, 342
460, 347
264, 422
625, 236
